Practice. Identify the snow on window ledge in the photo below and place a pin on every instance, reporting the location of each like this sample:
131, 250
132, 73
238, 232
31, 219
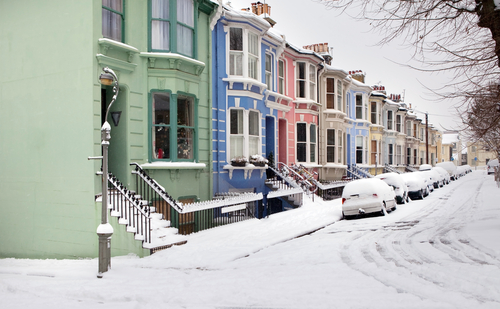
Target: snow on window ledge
173, 165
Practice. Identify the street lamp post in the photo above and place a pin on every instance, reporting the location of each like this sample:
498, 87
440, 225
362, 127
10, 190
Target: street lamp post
105, 230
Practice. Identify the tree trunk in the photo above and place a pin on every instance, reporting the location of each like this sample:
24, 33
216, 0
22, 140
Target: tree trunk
490, 18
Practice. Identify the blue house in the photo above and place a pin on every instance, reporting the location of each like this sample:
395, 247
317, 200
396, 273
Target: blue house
357, 121
245, 99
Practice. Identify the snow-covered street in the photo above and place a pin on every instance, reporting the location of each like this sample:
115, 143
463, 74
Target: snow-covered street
440, 252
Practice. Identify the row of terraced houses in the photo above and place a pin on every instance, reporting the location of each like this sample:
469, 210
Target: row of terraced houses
201, 87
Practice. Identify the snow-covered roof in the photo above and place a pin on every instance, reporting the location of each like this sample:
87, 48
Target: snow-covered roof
449, 138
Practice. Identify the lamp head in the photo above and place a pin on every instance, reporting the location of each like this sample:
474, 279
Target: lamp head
106, 79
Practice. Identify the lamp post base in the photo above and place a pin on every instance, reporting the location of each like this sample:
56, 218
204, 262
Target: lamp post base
104, 232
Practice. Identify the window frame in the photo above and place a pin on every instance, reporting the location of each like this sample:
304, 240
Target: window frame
281, 77
390, 120
359, 108
269, 71
122, 14
330, 94
246, 134
306, 144
246, 55
330, 146
310, 89
174, 25
173, 127
373, 112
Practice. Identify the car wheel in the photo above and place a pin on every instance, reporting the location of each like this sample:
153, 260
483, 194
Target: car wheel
407, 198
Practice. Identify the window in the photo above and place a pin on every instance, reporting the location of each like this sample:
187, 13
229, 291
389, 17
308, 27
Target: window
306, 81
374, 156
330, 93
312, 82
399, 154
340, 140
330, 145
415, 156
359, 106
421, 157
374, 113
389, 120
339, 95
359, 149
473, 148
422, 135
312, 143
243, 53
173, 129
244, 128
112, 19
281, 77
408, 128
408, 156
172, 26
391, 154
301, 142
269, 72
398, 123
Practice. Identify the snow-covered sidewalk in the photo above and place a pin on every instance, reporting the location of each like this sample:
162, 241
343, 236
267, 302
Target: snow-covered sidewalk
262, 263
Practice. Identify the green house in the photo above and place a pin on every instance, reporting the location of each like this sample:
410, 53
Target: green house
52, 107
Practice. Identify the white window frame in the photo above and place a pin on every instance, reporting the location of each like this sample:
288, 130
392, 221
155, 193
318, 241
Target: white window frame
329, 93
339, 98
247, 57
390, 120
269, 71
282, 77
246, 136
310, 89
308, 143
364, 149
331, 146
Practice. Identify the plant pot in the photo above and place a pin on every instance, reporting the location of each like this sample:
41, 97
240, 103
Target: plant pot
259, 163
238, 164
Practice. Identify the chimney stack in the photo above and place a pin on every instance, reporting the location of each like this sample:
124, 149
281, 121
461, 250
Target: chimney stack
259, 8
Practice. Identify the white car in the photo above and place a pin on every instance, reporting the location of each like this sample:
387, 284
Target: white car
397, 182
443, 173
428, 179
367, 196
450, 168
417, 185
435, 177
491, 166
425, 167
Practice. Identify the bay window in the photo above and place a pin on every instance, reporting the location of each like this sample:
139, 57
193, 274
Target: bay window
173, 131
112, 20
330, 93
172, 26
243, 53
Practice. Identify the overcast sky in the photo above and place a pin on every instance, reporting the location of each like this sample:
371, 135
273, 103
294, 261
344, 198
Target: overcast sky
306, 22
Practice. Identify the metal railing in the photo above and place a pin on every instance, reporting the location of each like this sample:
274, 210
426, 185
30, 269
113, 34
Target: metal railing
194, 217
410, 169
356, 172
390, 169
130, 208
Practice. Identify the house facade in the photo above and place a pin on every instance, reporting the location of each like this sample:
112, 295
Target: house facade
160, 52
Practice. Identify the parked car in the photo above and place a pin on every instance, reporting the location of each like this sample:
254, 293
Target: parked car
435, 178
425, 167
450, 168
365, 196
417, 185
398, 184
491, 166
443, 173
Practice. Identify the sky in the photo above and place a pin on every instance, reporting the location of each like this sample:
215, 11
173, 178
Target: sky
437, 253
306, 22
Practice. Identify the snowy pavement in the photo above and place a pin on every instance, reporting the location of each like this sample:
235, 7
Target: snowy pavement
440, 252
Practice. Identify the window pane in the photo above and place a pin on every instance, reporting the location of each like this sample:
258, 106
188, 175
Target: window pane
330, 85
330, 137
160, 35
312, 153
253, 145
301, 70
185, 114
330, 101
185, 40
253, 44
252, 67
301, 89
236, 121
236, 146
301, 152
374, 113
161, 108
312, 74
236, 64
312, 133
236, 39
111, 25
253, 123
359, 107
159, 9
269, 71
301, 132
161, 142
281, 79
339, 95
185, 12
116, 5
330, 154
185, 143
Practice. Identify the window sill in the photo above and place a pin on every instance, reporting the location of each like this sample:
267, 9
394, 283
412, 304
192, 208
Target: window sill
116, 55
247, 170
281, 102
334, 165
248, 83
